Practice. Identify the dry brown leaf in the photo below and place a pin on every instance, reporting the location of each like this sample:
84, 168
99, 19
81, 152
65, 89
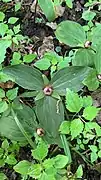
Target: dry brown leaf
52, 25
59, 10
7, 85
47, 46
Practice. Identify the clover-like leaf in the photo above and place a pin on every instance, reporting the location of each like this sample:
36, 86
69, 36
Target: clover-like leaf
74, 103
76, 127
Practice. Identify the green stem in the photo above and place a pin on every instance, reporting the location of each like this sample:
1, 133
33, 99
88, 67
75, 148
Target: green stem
22, 129
66, 147
82, 156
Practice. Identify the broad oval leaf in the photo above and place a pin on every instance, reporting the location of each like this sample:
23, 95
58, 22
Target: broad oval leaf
50, 113
96, 39
91, 81
70, 33
22, 167
69, 77
97, 60
60, 161
25, 76
48, 9
88, 15
9, 128
84, 57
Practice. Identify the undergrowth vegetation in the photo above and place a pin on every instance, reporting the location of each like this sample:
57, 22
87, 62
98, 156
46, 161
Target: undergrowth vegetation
50, 104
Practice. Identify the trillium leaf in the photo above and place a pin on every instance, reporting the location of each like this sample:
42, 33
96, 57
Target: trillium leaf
69, 77
97, 60
84, 57
70, 33
9, 128
25, 76
50, 113
96, 39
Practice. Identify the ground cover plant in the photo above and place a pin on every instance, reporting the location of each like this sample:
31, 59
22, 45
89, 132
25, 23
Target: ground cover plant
50, 90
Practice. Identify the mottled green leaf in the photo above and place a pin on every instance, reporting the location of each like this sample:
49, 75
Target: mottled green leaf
35, 170
74, 103
2, 16
79, 172
10, 160
3, 176
90, 112
93, 156
88, 15
29, 58
43, 64
76, 128
65, 127
12, 20
12, 93
60, 161
87, 101
40, 152
22, 167
3, 29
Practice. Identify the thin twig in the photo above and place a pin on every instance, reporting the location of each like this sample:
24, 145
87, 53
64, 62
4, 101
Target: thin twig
35, 10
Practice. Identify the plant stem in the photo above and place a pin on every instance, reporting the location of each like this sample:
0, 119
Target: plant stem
22, 129
83, 157
66, 147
